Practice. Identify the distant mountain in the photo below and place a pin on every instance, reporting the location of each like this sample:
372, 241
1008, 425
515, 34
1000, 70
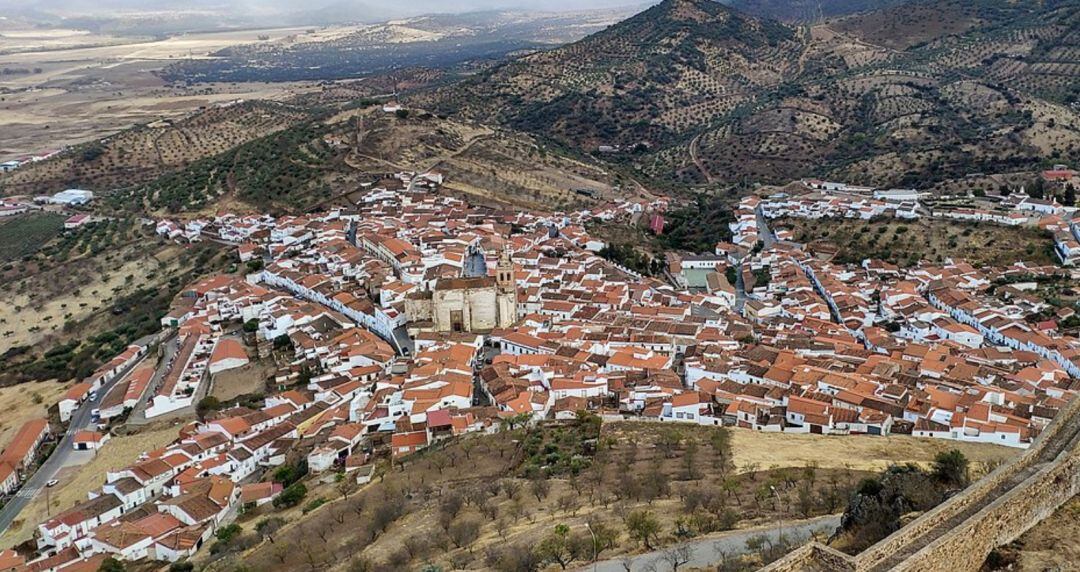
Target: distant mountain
437, 41
692, 91
653, 78
807, 10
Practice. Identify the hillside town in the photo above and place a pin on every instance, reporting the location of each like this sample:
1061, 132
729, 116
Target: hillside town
416, 317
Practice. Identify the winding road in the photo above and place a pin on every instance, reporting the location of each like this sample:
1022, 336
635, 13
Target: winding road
709, 550
696, 158
81, 419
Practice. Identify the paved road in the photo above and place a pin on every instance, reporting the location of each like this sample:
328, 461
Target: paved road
768, 239
60, 457
706, 551
138, 413
740, 289
764, 232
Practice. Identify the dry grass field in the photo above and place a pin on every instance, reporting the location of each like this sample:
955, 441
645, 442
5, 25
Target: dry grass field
77, 481
863, 453
23, 402
491, 166
250, 378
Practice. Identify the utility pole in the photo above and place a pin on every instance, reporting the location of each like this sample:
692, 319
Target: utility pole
594, 552
780, 516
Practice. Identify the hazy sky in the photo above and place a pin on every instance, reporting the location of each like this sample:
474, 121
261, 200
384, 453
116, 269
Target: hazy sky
413, 6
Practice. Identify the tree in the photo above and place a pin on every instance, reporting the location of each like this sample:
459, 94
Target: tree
540, 488
345, 487
251, 326
269, 527
206, 405
1038, 188
111, 564
514, 558
731, 486
416, 546
951, 468
449, 507
603, 537
1069, 197
676, 555
690, 472
464, 532
720, 440
669, 441
291, 496
283, 342
643, 527
560, 547
227, 533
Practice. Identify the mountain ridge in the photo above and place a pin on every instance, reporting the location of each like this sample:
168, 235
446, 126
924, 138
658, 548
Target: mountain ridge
702, 93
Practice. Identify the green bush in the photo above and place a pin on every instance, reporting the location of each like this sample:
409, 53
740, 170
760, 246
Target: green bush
314, 505
291, 496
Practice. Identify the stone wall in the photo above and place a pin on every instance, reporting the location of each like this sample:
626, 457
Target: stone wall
1048, 478
813, 557
965, 547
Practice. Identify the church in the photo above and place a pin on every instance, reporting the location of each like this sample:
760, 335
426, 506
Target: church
476, 304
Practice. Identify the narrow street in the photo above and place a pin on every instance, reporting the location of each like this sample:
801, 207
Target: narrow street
768, 239
138, 413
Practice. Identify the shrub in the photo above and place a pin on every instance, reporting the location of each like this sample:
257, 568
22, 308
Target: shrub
314, 505
291, 496
951, 468
227, 533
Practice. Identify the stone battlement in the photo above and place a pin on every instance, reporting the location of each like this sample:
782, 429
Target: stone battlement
958, 534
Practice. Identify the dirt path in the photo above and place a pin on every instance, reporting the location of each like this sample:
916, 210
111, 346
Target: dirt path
697, 160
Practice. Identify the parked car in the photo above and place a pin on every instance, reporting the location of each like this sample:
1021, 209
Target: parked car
52, 483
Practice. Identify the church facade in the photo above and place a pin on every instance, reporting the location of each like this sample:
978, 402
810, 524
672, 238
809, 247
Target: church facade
477, 304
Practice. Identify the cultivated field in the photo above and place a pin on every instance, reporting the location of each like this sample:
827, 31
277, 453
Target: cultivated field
39, 305
23, 235
472, 502
907, 242
143, 152
86, 87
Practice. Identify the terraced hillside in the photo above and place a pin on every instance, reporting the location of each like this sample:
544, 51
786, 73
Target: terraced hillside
144, 152
654, 78
692, 92
806, 10
323, 160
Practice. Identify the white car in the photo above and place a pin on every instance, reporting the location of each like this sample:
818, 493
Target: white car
52, 483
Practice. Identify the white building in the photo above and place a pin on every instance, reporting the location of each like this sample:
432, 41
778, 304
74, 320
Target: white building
72, 197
